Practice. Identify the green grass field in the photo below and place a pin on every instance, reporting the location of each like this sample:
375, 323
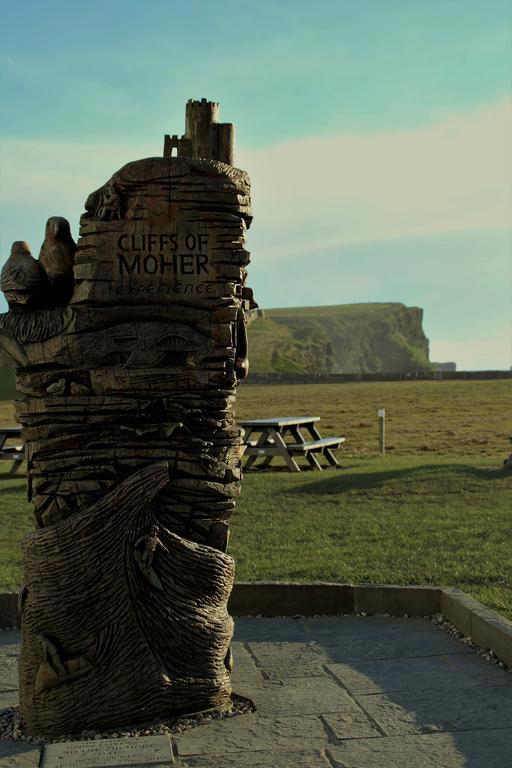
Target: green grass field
426, 418
435, 510
399, 520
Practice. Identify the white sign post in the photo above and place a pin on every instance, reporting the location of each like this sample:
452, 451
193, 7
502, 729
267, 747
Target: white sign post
381, 413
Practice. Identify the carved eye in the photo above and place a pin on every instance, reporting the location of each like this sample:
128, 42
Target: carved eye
173, 342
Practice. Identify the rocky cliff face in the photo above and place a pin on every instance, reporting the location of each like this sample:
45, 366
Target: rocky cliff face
350, 338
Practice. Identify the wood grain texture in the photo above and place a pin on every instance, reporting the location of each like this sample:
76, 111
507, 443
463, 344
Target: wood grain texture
126, 398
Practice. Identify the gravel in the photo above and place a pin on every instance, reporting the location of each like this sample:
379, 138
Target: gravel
11, 725
439, 620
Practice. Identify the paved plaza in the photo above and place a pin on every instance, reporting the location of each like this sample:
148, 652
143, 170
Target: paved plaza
340, 692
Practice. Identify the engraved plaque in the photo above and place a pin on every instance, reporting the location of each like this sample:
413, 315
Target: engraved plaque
152, 751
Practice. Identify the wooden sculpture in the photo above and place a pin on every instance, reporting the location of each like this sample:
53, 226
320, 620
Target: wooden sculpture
128, 348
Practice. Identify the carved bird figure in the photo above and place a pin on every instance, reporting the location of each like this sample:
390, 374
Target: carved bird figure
77, 388
57, 388
57, 257
22, 278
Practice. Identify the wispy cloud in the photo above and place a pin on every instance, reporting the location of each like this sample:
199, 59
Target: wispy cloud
319, 192
32, 170
453, 175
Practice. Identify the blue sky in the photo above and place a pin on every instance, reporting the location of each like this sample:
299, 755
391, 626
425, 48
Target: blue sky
376, 134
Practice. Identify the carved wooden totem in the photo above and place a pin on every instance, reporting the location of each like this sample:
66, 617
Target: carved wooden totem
128, 348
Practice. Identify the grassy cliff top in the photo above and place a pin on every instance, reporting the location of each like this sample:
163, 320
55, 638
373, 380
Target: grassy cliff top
337, 310
345, 338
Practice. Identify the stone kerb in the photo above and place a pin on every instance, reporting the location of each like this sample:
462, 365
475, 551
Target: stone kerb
487, 628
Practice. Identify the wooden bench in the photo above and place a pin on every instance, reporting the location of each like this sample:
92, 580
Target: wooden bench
317, 445
272, 441
314, 445
322, 446
14, 453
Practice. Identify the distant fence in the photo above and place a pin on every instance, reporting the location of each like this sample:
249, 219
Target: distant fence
8, 384
341, 378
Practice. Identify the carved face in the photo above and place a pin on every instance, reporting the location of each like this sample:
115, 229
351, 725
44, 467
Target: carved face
144, 345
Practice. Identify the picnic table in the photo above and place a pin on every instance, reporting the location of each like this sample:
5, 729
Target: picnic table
282, 436
14, 453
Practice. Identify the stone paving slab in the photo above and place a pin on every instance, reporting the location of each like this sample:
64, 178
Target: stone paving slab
441, 710
409, 674
289, 659
8, 698
14, 755
342, 692
299, 695
253, 732
339, 639
9, 652
272, 759
9, 673
244, 668
483, 674
382, 638
352, 725
472, 749
284, 629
